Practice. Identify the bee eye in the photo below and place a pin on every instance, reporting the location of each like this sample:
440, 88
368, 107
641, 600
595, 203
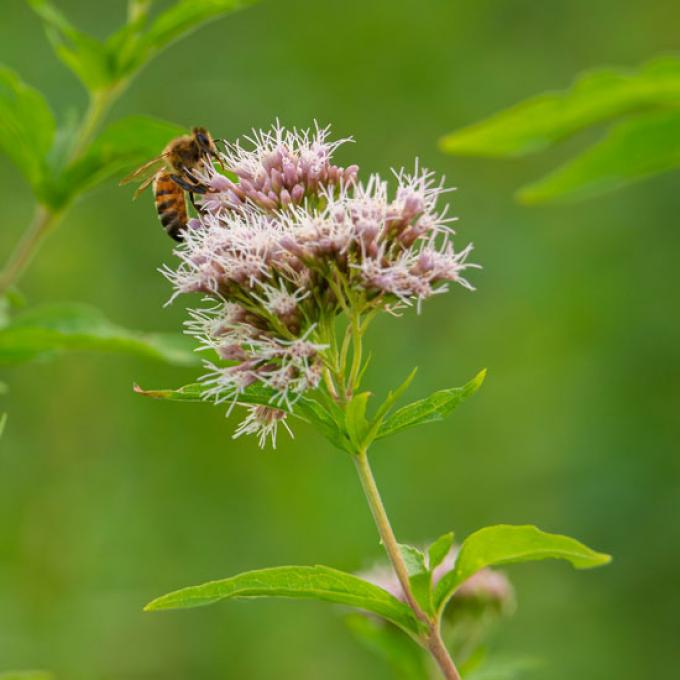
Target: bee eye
202, 139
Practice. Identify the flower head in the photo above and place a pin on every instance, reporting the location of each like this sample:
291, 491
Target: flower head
285, 243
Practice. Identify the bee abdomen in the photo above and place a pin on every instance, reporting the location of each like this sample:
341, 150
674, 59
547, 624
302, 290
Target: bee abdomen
170, 205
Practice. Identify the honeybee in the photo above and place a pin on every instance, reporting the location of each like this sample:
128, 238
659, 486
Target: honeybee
172, 175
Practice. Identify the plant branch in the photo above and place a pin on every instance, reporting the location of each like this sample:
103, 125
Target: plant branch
44, 219
433, 640
43, 222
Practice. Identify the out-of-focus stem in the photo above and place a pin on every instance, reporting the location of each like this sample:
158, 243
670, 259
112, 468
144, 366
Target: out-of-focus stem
43, 222
138, 9
100, 103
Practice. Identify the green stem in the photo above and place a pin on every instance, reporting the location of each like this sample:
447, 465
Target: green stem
432, 640
137, 9
100, 103
356, 354
43, 222
44, 219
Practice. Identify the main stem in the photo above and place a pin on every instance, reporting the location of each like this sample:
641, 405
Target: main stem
433, 640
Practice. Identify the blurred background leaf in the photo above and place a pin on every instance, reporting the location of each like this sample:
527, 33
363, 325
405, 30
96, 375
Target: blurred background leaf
596, 96
123, 145
83, 54
398, 650
27, 126
635, 149
178, 20
45, 331
26, 675
639, 147
102, 64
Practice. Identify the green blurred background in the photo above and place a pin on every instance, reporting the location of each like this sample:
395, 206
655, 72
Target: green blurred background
107, 500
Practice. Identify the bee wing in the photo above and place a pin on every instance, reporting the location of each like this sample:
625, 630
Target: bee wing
158, 161
144, 184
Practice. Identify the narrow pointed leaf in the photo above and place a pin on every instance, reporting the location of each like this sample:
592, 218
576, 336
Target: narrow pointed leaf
638, 148
506, 544
355, 418
419, 575
27, 126
83, 54
178, 20
439, 549
255, 394
46, 331
3, 423
595, 97
310, 583
394, 395
431, 409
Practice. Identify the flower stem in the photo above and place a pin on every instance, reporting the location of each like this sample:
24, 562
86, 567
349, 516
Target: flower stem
433, 640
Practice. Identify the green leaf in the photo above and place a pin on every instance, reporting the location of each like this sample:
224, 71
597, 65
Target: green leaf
122, 146
640, 147
26, 126
394, 395
400, 651
311, 583
3, 423
419, 575
355, 419
26, 675
177, 21
595, 97
84, 55
328, 420
254, 394
439, 549
46, 331
505, 544
431, 409
414, 559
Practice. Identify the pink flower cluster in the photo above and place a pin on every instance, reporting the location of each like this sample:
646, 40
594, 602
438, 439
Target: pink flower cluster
286, 240
283, 168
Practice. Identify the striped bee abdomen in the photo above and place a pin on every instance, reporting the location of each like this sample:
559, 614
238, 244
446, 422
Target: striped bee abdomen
170, 205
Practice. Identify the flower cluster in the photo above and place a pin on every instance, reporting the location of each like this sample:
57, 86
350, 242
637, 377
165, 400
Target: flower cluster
284, 242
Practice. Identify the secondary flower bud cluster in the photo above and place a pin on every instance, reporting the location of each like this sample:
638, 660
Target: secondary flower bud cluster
487, 589
285, 241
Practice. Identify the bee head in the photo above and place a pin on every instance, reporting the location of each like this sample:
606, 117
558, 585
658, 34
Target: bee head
204, 140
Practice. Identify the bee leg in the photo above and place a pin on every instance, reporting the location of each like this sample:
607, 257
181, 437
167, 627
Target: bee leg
197, 207
188, 186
